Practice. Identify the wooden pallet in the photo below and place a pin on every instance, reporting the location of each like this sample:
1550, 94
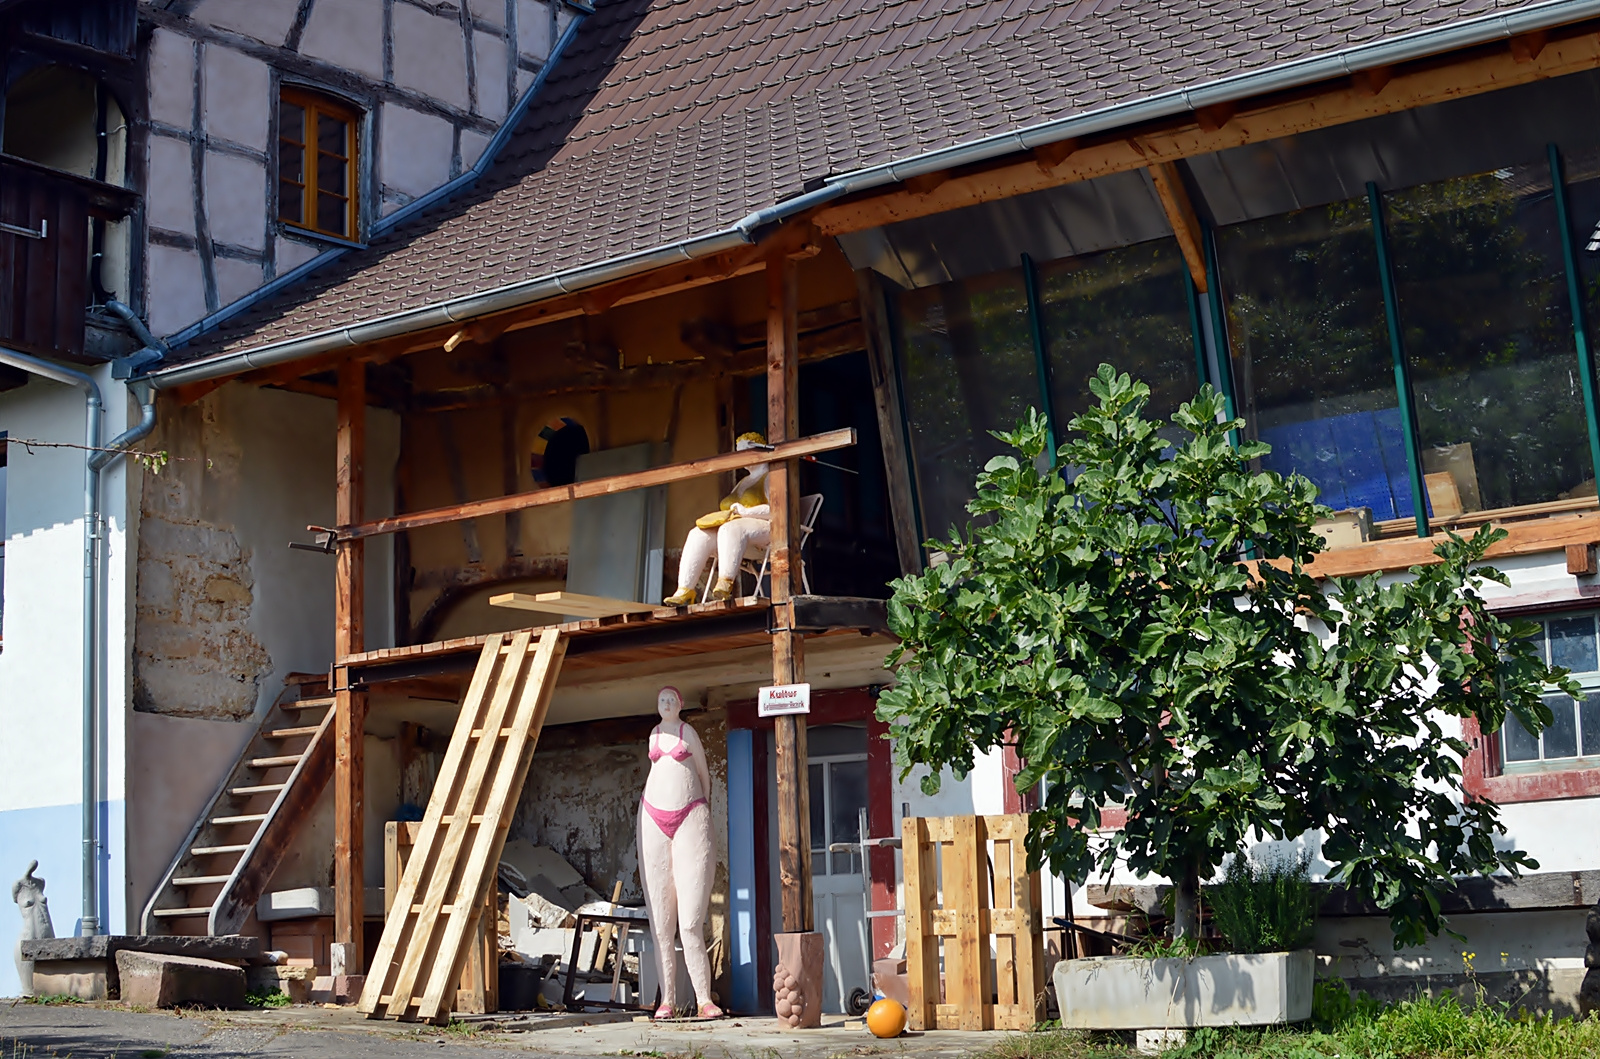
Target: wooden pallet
432, 922
954, 902
231, 853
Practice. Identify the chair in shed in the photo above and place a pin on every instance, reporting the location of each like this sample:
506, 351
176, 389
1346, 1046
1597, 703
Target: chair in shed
810, 507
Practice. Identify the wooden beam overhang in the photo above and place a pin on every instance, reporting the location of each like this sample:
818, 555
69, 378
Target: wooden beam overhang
1185, 222
795, 238
620, 483
1366, 94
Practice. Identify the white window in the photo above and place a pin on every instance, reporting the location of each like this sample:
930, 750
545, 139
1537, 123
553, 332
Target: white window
1571, 641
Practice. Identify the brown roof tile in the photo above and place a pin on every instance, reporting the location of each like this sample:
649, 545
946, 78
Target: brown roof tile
667, 119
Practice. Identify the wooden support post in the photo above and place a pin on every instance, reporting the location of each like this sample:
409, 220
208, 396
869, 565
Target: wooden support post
350, 707
1179, 208
788, 649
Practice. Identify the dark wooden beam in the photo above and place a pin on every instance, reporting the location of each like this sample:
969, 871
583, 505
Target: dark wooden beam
891, 426
620, 483
788, 646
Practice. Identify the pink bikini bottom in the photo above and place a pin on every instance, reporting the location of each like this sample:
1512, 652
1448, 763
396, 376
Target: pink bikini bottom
669, 820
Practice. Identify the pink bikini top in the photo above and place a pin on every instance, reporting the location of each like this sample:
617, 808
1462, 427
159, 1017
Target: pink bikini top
680, 752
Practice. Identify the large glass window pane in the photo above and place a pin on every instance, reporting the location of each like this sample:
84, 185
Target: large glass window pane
966, 358
1128, 308
1311, 362
1488, 335
1572, 644
1561, 738
1520, 744
1589, 718
847, 781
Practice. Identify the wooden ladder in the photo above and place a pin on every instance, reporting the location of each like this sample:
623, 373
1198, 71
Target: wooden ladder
430, 925
232, 851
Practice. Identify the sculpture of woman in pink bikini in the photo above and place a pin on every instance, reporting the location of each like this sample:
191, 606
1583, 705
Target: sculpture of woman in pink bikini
677, 858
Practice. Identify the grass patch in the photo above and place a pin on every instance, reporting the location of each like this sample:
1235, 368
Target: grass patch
53, 1000
1413, 1029
275, 998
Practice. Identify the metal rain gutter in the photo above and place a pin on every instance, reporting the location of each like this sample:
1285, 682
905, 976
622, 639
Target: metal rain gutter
1298, 73
405, 213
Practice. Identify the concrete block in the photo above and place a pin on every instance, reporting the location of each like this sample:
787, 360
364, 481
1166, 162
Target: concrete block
155, 980
1129, 993
1154, 1042
347, 987
298, 903
292, 981
84, 979
322, 989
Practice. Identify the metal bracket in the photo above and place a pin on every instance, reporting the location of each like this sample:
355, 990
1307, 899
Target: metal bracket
324, 542
27, 233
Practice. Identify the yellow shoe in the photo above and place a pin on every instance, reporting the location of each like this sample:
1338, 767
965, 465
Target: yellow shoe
723, 589
681, 598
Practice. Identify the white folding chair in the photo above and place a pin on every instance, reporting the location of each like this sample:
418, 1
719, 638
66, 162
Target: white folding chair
810, 507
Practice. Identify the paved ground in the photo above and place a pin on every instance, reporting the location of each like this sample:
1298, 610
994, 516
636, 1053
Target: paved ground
103, 1031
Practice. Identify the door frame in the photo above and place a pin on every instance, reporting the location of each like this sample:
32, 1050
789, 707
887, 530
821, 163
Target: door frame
840, 706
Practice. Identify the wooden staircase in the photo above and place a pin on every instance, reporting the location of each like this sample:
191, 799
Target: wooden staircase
225, 864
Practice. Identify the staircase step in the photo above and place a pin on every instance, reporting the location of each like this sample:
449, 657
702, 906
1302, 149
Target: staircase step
181, 913
306, 704
261, 788
206, 851
248, 818
274, 762
199, 880
290, 733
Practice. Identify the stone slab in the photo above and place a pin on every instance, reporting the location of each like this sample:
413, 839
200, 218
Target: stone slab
1129, 993
104, 946
294, 982
155, 980
84, 979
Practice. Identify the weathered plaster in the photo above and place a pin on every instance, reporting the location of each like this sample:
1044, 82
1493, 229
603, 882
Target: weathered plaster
236, 196
236, 278
414, 152
176, 290
171, 62
582, 803
238, 95
266, 22
430, 55
170, 204
348, 34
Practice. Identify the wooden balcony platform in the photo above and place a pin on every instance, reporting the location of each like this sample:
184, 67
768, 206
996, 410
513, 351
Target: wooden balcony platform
660, 633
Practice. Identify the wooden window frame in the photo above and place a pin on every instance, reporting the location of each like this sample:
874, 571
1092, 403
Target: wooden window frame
315, 104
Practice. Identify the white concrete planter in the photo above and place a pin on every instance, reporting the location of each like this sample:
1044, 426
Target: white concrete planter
1129, 993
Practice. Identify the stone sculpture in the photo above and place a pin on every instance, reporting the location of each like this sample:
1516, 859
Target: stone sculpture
28, 893
677, 859
740, 523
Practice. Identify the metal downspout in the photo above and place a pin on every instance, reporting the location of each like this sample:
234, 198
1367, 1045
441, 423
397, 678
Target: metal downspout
90, 925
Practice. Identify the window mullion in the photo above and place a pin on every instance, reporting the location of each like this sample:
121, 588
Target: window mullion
1580, 328
1030, 282
1219, 331
1402, 372
1202, 374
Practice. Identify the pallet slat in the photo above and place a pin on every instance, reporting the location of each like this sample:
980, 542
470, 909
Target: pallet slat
950, 864
431, 924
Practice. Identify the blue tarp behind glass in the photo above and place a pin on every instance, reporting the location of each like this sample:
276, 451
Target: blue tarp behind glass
1358, 460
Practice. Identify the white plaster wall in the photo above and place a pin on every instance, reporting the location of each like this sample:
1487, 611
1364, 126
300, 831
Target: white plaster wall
40, 666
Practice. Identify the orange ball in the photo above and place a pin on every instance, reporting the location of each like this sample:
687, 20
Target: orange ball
886, 1018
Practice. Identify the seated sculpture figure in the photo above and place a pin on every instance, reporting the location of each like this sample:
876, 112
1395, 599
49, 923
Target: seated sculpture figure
740, 523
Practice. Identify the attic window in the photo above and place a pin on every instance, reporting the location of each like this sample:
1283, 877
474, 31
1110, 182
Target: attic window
317, 163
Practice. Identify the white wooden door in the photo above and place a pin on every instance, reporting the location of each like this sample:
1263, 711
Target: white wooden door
838, 796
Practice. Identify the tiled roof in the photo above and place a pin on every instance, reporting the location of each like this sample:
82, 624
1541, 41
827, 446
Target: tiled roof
667, 119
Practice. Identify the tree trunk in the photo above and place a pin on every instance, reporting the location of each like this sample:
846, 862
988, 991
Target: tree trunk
1186, 903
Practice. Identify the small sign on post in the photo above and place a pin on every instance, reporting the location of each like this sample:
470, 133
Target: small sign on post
782, 699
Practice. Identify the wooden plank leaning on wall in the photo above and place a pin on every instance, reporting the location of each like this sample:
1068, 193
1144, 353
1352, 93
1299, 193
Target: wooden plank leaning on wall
788, 648
350, 707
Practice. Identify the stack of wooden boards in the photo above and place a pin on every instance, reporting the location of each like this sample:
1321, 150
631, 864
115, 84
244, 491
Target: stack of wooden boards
432, 922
